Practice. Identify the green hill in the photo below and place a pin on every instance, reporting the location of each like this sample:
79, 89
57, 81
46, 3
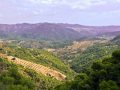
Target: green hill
97, 51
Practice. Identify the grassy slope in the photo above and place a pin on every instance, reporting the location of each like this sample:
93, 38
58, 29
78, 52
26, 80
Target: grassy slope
41, 57
14, 77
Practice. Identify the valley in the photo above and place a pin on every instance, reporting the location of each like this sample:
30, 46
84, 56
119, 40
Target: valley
59, 45
51, 56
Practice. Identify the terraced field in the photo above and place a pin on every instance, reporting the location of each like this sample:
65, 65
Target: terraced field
37, 67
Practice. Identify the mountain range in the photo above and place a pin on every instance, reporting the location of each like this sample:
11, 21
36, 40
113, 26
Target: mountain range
54, 31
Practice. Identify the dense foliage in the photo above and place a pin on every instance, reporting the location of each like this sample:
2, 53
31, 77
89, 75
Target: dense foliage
103, 75
11, 79
91, 54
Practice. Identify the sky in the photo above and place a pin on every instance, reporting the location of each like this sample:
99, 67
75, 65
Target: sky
84, 12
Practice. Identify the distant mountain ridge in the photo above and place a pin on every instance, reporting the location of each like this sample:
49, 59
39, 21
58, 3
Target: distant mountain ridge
53, 31
44, 31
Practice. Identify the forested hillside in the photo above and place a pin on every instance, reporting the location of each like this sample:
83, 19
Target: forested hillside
91, 54
103, 75
81, 54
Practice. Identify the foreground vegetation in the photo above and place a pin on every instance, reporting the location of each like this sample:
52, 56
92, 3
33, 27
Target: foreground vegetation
103, 75
13, 77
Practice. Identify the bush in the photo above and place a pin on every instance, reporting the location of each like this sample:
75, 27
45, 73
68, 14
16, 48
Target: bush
108, 85
116, 54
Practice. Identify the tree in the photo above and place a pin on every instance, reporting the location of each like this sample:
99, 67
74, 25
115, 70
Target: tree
108, 85
97, 66
116, 54
81, 82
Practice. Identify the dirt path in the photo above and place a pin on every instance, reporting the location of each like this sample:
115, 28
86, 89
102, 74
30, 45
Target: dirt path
37, 67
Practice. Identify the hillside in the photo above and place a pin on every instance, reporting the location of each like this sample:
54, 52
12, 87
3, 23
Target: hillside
15, 77
98, 51
103, 75
36, 64
36, 67
72, 50
39, 56
12, 79
81, 54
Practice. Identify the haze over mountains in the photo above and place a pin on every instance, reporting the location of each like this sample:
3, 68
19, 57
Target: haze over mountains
54, 31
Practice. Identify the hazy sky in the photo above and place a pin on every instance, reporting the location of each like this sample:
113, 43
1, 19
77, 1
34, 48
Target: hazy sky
86, 12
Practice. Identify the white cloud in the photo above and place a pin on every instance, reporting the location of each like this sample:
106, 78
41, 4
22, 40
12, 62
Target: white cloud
44, 1
58, 10
84, 4
80, 4
117, 1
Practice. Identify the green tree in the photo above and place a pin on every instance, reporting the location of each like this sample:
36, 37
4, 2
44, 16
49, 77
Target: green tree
108, 85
